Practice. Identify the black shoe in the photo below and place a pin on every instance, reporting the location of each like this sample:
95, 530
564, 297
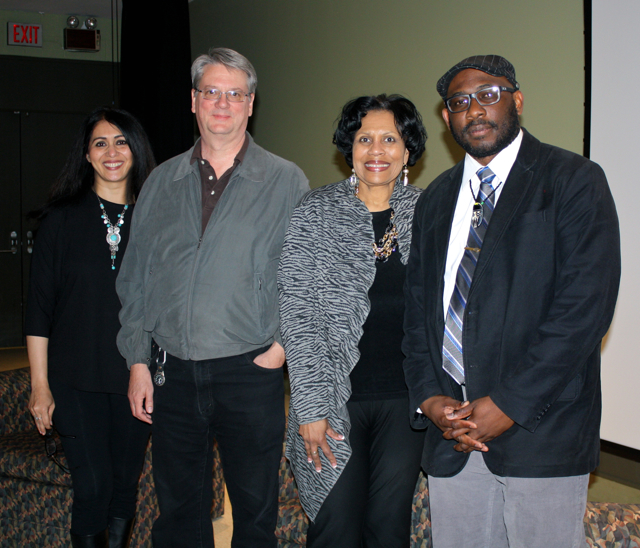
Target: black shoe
120, 532
99, 540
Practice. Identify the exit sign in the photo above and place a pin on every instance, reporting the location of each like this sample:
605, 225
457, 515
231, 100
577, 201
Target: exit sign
24, 34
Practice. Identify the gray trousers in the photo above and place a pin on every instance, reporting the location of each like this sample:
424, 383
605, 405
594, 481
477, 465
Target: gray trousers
477, 509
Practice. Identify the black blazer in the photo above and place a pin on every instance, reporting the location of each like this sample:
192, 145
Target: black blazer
542, 298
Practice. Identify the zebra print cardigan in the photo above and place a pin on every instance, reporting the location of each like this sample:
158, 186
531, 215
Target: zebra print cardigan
326, 269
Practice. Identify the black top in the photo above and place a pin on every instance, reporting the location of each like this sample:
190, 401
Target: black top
72, 296
378, 374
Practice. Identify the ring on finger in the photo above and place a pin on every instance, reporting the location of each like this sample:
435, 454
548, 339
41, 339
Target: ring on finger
38, 418
314, 452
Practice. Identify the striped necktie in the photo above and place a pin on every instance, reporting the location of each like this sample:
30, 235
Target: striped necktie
452, 354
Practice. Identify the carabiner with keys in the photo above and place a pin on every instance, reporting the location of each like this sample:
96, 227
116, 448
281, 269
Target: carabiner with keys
158, 378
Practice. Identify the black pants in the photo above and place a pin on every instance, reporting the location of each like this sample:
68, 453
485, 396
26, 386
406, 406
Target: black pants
239, 404
105, 457
370, 505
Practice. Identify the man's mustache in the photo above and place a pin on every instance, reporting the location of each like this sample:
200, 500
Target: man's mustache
479, 123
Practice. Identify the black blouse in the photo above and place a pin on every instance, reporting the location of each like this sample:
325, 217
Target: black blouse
72, 296
379, 374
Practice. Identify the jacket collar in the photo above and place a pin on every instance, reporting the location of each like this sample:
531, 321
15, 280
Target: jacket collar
400, 192
515, 188
253, 166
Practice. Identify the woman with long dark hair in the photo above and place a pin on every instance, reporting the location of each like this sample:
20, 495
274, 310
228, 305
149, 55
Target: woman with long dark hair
79, 380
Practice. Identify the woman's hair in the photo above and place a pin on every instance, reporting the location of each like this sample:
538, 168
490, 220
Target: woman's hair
406, 115
77, 175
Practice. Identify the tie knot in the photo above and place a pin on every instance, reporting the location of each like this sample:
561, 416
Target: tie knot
485, 174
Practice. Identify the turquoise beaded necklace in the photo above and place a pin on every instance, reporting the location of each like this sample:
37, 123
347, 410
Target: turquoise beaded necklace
113, 232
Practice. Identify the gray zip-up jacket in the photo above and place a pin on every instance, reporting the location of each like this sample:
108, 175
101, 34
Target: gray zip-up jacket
211, 295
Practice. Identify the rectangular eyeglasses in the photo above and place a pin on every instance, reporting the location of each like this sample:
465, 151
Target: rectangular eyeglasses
485, 97
233, 96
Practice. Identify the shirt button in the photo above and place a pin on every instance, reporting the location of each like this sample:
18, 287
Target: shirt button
211, 177
202, 162
213, 192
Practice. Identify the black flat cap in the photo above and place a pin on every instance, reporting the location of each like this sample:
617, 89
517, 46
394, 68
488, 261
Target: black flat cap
491, 64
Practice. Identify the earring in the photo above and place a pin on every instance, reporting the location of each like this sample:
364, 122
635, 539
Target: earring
353, 181
405, 171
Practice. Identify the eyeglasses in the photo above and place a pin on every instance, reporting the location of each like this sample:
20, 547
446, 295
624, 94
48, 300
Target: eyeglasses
485, 97
233, 96
51, 448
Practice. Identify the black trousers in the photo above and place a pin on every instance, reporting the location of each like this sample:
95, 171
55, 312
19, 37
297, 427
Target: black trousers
105, 457
241, 406
370, 505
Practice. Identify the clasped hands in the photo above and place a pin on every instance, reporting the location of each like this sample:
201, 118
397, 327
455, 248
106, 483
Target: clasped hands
471, 424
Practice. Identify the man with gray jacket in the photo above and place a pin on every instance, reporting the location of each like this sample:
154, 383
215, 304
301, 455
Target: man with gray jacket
200, 314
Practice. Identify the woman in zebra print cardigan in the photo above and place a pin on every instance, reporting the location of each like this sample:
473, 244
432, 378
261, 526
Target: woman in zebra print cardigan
352, 451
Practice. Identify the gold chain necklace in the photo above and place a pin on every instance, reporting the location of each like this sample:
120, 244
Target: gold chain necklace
386, 245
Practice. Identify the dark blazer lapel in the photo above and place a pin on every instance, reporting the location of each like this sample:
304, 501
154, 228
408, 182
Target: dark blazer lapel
445, 208
515, 188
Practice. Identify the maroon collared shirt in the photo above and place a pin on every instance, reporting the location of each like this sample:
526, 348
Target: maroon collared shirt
212, 187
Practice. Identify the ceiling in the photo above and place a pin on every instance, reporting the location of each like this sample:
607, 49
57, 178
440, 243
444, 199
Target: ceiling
97, 8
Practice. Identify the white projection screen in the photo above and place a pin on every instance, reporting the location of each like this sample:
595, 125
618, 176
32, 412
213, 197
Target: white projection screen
615, 145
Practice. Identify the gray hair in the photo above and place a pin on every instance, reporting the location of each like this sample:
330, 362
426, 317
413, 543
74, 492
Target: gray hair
228, 58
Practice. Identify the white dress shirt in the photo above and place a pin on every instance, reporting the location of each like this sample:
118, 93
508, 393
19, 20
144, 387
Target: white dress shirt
501, 165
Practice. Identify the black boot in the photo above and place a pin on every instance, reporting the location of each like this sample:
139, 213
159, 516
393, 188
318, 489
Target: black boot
120, 532
99, 540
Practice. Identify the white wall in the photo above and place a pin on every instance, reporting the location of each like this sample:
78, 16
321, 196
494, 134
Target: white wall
615, 132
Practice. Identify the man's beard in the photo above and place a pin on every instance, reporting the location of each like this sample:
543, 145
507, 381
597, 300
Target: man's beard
508, 131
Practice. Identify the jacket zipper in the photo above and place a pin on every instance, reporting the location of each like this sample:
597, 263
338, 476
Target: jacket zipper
190, 300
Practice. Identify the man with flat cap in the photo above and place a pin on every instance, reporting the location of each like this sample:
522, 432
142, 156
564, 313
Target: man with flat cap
511, 285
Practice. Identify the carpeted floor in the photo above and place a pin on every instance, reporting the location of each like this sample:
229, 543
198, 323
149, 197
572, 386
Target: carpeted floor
600, 489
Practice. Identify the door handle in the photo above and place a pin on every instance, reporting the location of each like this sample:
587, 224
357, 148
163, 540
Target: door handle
14, 244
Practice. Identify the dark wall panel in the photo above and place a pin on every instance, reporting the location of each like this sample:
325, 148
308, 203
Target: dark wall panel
42, 103
10, 232
55, 85
155, 79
